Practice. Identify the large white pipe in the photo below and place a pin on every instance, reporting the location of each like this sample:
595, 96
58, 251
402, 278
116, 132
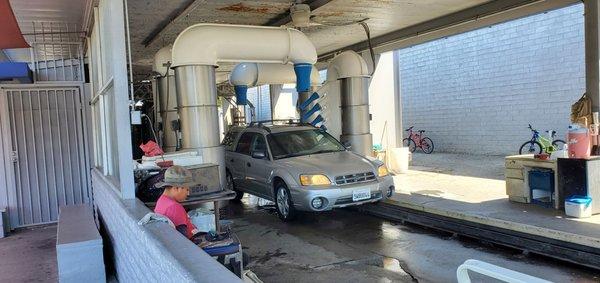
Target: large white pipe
351, 70
347, 64
256, 74
209, 44
166, 94
161, 60
196, 52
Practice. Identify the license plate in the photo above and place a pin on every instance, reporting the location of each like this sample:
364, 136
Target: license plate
361, 194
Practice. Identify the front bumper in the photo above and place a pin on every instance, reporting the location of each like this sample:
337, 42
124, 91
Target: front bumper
339, 196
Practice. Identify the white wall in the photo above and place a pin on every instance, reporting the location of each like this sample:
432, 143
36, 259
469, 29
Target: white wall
285, 104
381, 102
152, 253
476, 92
110, 99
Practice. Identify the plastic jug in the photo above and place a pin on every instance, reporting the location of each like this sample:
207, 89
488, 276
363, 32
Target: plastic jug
578, 139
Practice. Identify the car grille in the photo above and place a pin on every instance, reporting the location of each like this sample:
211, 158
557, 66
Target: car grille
347, 200
355, 178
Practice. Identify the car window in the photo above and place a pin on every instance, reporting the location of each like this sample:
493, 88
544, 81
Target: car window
259, 144
243, 145
229, 138
276, 148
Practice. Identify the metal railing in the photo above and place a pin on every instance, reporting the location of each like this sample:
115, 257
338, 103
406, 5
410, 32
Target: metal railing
56, 52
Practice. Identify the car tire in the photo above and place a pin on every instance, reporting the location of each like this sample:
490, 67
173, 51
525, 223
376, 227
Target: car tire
283, 203
231, 186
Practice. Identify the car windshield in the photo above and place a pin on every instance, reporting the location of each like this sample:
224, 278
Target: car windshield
305, 142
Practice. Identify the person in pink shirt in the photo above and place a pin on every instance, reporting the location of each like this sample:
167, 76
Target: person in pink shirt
177, 183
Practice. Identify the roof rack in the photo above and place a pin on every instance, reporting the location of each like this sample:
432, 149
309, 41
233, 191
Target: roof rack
286, 122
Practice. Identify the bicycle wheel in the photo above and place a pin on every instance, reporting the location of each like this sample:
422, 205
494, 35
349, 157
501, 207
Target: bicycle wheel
408, 142
531, 147
558, 144
427, 145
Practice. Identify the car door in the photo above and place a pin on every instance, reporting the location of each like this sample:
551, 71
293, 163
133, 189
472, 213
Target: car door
237, 159
258, 168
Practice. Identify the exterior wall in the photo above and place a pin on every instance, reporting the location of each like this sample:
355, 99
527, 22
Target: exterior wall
381, 102
261, 99
152, 253
476, 92
5, 161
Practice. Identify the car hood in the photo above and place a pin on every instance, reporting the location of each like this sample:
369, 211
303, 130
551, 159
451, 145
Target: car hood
331, 164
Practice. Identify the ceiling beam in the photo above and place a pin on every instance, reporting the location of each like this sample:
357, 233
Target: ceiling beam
183, 10
3, 56
285, 18
490, 13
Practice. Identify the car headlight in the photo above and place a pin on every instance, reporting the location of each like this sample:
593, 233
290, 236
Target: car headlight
382, 171
314, 180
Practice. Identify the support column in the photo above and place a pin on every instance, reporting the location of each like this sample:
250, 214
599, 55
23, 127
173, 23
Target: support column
274, 93
398, 100
592, 51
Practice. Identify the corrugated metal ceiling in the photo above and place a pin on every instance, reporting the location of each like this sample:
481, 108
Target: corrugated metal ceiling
146, 16
64, 11
384, 16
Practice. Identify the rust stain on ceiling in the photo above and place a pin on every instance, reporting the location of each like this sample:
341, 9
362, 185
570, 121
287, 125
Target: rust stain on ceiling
241, 7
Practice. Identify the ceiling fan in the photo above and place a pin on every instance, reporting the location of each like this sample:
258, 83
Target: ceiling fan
302, 17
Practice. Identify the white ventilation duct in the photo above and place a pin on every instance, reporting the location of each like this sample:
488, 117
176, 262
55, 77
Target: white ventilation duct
162, 59
246, 75
209, 44
256, 74
166, 95
351, 70
347, 64
198, 50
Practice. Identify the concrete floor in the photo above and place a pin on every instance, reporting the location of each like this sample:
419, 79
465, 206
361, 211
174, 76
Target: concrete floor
29, 255
473, 188
346, 246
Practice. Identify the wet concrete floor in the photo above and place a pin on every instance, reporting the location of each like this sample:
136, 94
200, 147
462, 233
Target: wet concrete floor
346, 246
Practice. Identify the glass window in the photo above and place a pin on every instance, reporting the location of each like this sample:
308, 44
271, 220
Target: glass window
229, 138
259, 144
305, 142
243, 145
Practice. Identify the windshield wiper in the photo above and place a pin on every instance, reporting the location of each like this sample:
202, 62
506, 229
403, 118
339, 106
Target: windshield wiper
325, 151
290, 155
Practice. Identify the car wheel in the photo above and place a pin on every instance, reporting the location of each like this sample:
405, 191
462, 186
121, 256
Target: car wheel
283, 201
231, 186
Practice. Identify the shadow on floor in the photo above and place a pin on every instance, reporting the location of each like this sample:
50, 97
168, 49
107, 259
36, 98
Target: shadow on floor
480, 166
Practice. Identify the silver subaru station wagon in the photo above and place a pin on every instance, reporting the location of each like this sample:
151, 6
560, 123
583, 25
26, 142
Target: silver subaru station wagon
301, 168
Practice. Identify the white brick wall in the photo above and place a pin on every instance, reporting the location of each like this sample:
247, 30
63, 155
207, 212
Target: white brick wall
476, 92
152, 253
260, 97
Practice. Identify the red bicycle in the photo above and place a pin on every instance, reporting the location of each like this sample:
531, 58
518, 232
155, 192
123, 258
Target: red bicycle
415, 140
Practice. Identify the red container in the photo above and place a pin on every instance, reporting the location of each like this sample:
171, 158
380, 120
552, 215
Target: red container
578, 140
165, 163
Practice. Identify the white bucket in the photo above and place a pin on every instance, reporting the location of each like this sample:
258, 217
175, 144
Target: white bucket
398, 159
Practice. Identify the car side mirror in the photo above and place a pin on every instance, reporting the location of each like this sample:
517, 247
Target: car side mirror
347, 145
259, 155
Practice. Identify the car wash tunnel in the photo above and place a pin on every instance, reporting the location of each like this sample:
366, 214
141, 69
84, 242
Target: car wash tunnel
305, 141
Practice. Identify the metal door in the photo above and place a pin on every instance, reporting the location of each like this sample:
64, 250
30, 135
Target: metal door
237, 160
49, 152
257, 170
